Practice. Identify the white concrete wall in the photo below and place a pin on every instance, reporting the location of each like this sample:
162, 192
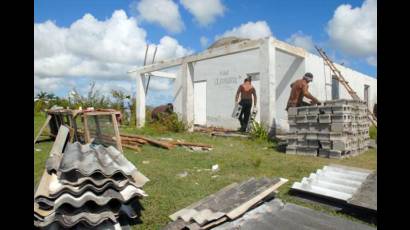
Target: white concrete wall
288, 69
223, 75
314, 64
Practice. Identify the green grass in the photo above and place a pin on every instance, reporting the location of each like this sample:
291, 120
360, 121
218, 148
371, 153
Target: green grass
373, 132
238, 159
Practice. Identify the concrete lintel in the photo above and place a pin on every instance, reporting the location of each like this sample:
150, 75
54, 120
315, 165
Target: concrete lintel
211, 53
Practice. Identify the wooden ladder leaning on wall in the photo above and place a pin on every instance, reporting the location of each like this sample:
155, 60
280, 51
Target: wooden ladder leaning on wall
339, 77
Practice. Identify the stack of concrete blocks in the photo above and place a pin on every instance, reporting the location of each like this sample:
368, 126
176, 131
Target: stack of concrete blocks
337, 129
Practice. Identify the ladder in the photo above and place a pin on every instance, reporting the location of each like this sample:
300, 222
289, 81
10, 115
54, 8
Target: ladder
339, 77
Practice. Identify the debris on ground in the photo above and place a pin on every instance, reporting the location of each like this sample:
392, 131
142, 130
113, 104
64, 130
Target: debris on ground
215, 168
145, 162
79, 176
183, 174
37, 150
230, 134
214, 176
217, 209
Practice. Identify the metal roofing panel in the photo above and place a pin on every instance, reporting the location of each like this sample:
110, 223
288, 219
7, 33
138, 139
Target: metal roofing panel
231, 201
366, 196
277, 215
123, 196
334, 181
95, 161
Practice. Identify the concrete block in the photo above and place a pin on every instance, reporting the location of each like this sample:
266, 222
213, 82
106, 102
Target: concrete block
323, 153
313, 144
292, 111
313, 110
340, 145
340, 118
291, 120
325, 118
312, 118
323, 136
292, 142
338, 136
301, 119
325, 110
319, 127
293, 128
325, 144
302, 144
303, 127
307, 151
301, 136
304, 110
341, 127
335, 154
311, 136
342, 109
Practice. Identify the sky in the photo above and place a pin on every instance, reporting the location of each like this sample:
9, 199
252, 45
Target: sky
80, 41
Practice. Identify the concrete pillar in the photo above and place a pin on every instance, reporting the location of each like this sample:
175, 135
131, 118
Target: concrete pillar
140, 101
267, 96
187, 74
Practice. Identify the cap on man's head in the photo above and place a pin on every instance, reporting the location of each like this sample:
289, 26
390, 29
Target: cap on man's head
308, 76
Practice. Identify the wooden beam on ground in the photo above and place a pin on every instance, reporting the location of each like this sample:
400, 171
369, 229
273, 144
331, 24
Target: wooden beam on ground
189, 144
42, 128
151, 141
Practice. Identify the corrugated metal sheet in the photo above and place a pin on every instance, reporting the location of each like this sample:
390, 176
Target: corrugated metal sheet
277, 215
105, 225
334, 181
91, 161
366, 196
105, 186
123, 196
229, 202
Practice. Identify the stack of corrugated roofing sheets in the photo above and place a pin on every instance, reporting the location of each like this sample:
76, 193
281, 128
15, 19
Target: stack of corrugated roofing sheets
87, 186
227, 204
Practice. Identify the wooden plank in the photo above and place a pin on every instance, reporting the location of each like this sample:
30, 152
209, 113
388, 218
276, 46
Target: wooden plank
86, 131
117, 132
151, 141
183, 143
60, 140
101, 113
245, 206
42, 128
124, 138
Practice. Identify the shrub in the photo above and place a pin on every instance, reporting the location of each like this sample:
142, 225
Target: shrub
258, 131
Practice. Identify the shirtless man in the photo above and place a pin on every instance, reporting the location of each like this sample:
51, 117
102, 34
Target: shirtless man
246, 90
300, 89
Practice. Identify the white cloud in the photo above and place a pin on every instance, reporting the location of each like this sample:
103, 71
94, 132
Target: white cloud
372, 60
204, 41
162, 12
354, 30
251, 30
301, 40
102, 50
205, 12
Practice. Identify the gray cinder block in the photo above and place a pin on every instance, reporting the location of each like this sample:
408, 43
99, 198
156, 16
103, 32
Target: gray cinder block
313, 144
340, 118
304, 110
291, 150
325, 118
342, 109
319, 127
303, 127
325, 144
301, 119
291, 120
311, 136
341, 127
312, 118
307, 151
313, 110
323, 136
325, 110
292, 111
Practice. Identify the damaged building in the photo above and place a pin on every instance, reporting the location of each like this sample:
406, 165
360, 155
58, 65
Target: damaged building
206, 83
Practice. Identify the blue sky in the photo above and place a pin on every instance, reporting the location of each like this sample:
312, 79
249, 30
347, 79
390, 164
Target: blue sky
284, 18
